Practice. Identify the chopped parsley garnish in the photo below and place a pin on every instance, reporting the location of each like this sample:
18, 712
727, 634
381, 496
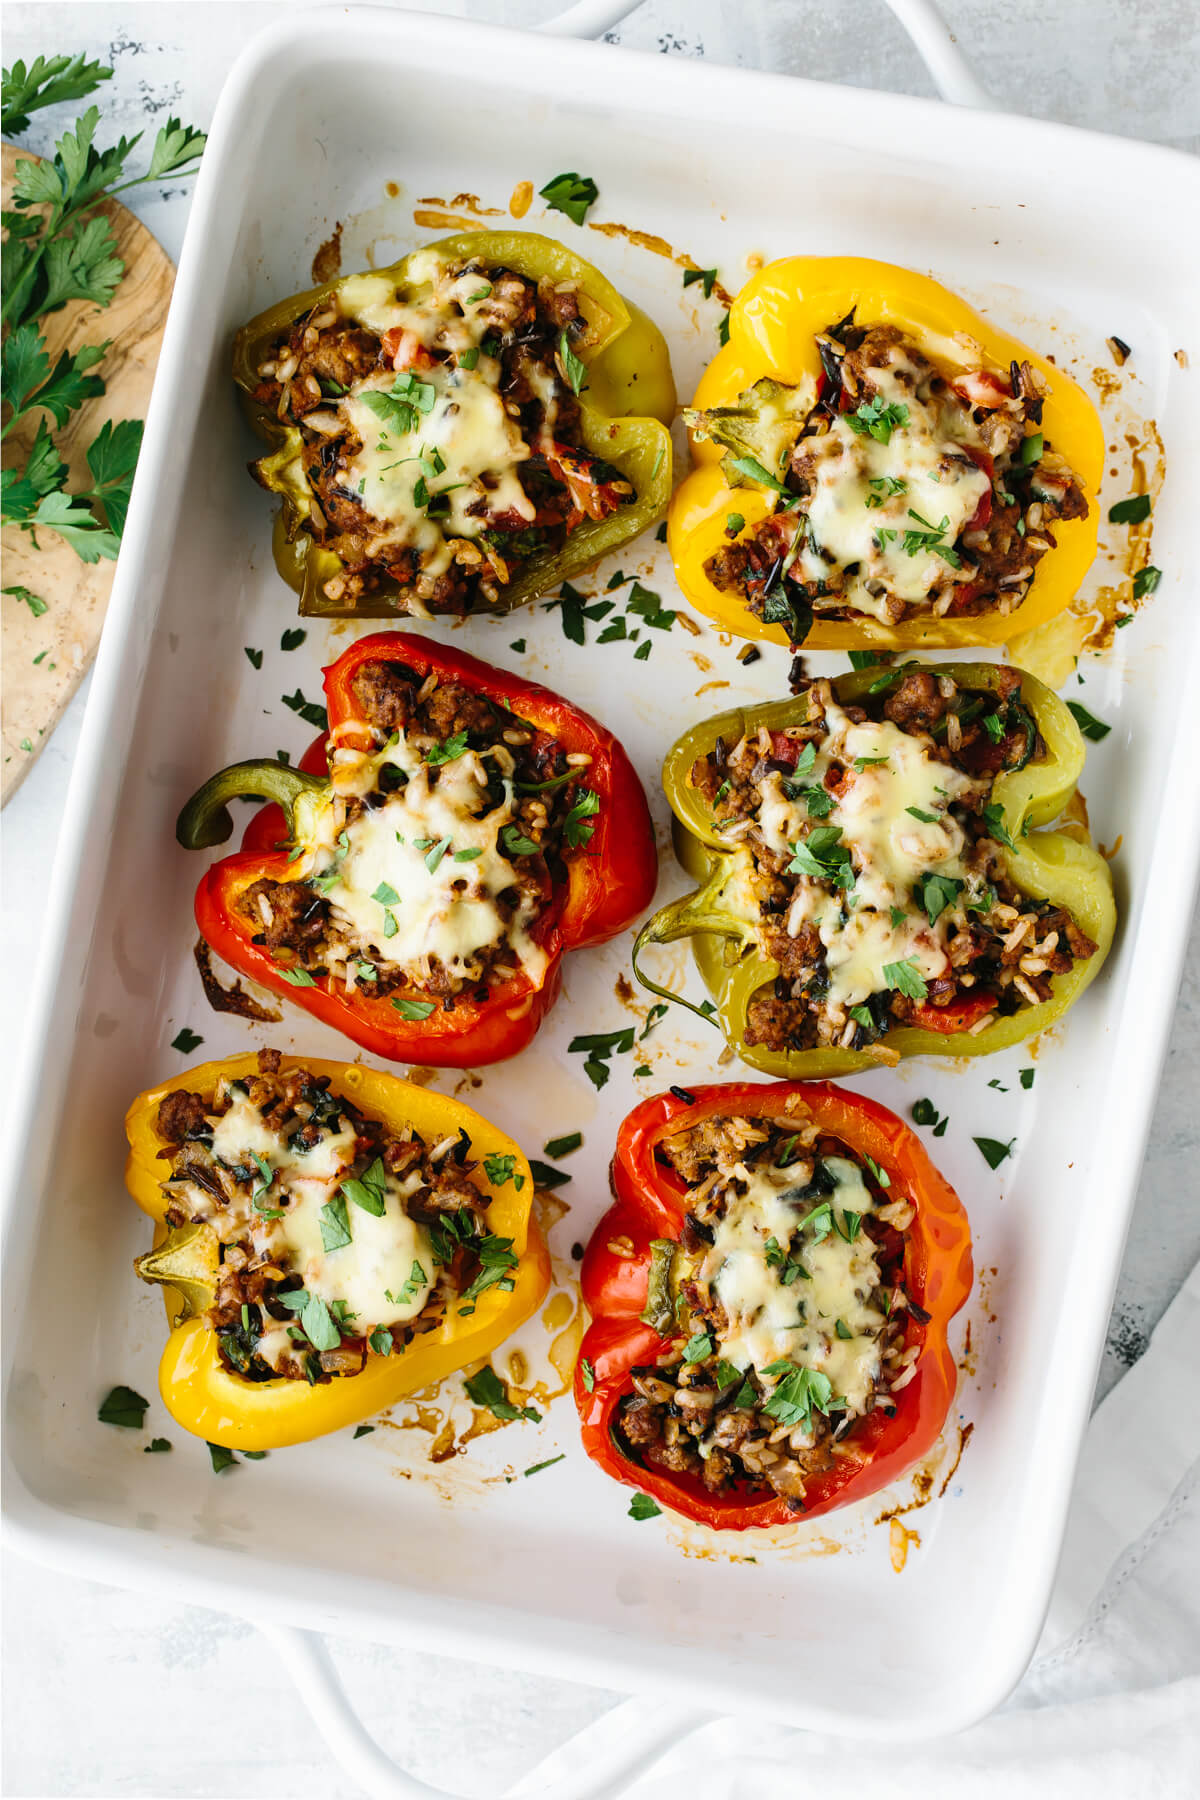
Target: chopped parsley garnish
589, 1376
486, 1389
643, 1507
993, 818
308, 710
937, 892
123, 1406
186, 1041
1131, 511
598, 1047
545, 1176
1032, 447
516, 843
386, 895
381, 1341
518, 644
368, 1190
433, 857
254, 657
156, 1445
823, 856
867, 659
571, 194
876, 420
906, 978
222, 1458
1145, 582
449, 751
1026, 1077
929, 537
881, 1175
362, 1431
292, 640
794, 1396
883, 487
926, 818
414, 1009
924, 1112
706, 277
335, 1224
994, 1152
723, 330
698, 1348
576, 831
573, 367
500, 1169
734, 522
1093, 729
537, 1468
563, 1146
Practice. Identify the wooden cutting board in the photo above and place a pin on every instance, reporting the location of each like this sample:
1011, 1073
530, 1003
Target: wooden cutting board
45, 657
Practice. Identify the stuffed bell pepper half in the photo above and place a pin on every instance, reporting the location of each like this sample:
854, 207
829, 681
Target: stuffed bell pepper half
770, 1296
876, 464
460, 432
329, 1239
874, 879
433, 857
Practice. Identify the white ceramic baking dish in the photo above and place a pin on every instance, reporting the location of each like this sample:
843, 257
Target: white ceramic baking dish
1063, 236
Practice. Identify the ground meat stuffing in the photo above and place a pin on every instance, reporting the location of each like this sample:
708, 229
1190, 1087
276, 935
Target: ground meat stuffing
765, 1379
455, 542
322, 1152
872, 849
503, 770
865, 522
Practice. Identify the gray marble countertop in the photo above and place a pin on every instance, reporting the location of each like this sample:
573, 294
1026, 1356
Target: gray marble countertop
107, 1692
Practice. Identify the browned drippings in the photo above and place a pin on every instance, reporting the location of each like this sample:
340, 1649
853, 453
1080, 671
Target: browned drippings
964, 1438
900, 1539
327, 262
521, 199
647, 240
441, 221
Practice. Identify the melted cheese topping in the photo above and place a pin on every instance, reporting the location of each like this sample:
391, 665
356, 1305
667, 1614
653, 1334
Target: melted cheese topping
852, 522
450, 911
797, 1321
877, 921
464, 426
373, 1276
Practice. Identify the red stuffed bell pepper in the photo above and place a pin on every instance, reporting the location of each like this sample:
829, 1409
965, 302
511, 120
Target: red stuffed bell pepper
431, 859
770, 1296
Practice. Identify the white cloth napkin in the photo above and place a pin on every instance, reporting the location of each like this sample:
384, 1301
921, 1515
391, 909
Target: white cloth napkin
1110, 1704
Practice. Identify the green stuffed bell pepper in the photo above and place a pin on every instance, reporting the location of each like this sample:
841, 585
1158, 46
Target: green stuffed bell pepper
875, 876
460, 432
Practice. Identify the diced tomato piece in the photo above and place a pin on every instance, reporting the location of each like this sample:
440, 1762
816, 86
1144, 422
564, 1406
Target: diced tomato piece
405, 349
960, 1015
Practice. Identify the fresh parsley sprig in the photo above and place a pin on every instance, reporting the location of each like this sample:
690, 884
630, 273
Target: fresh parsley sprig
58, 248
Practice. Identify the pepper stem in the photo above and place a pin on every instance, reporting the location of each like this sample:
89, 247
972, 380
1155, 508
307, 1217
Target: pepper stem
205, 819
188, 1259
695, 914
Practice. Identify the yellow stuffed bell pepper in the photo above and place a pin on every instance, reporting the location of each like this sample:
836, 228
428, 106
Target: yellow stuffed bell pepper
926, 956
410, 478
875, 464
329, 1239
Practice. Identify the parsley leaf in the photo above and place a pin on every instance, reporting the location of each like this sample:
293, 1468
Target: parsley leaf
906, 978
571, 194
875, 419
123, 1406
573, 367
486, 1389
994, 1152
643, 1507
706, 277
186, 1041
1130, 512
1093, 729
576, 832
449, 751
414, 1009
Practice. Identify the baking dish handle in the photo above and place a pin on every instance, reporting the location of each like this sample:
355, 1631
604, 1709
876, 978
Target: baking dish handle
635, 1741
934, 42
